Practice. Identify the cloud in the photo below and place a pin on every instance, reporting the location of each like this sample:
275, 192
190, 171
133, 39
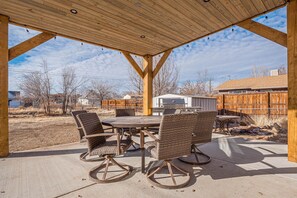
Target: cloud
227, 54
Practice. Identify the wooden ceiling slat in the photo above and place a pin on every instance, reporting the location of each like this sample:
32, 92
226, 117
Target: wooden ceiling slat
259, 5
119, 24
210, 12
250, 7
72, 25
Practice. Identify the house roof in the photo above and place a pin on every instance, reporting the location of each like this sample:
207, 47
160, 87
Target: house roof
266, 82
141, 26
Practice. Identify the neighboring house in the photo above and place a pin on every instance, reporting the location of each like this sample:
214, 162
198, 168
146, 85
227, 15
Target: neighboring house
91, 98
128, 97
206, 103
14, 99
260, 84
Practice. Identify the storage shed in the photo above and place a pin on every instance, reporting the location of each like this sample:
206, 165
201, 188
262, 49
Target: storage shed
206, 103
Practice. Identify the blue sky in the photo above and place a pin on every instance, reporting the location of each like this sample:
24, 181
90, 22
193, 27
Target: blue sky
226, 55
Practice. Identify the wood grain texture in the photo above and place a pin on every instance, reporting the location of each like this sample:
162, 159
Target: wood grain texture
29, 44
265, 31
292, 80
140, 27
4, 148
133, 63
161, 62
147, 85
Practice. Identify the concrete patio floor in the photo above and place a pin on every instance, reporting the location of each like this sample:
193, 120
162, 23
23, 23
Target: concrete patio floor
239, 168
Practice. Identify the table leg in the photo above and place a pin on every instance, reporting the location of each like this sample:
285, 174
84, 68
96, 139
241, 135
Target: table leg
142, 151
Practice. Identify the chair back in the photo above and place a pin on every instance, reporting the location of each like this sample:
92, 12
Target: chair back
203, 128
80, 130
124, 112
91, 124
170, 111
175, 135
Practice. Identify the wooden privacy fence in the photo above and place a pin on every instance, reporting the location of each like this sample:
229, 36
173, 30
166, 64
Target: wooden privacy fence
266, 103
122, 104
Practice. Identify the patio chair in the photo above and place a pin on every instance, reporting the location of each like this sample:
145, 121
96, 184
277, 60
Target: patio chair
84, 155
81, 132
99, 145
202, 134
130, 131
171, 111
174, 141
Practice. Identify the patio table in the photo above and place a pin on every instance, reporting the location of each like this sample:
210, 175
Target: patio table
223, 120
139, 122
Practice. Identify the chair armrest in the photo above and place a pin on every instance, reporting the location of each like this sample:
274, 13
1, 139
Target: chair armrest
150, 134
100, 135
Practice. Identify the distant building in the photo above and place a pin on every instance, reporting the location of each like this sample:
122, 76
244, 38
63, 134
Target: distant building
175, 100
91, 98
274, 82
14, 99
127, 97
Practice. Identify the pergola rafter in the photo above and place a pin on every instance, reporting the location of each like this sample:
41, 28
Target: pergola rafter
29, 44
265, 31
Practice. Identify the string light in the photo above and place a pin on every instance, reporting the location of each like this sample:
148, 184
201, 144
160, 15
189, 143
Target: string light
27, 30
81, 44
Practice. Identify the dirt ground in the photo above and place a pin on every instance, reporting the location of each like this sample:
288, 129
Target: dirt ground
27, 131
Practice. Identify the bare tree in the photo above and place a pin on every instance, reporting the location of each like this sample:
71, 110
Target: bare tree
136, 82
259, 71
37, 86
69, 84
167, 78
103, 89
164, 82
282, 70
202, 86
31, 86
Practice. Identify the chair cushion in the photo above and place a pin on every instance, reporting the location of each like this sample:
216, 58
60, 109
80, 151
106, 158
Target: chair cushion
151, 147
110, 147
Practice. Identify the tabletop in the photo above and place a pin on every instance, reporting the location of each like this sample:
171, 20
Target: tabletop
133, 121
227, 117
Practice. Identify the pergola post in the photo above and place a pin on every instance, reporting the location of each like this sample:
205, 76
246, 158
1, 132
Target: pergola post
4, 147
147, 84
292, 80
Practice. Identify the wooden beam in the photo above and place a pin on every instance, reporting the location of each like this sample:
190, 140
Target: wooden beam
29, 44
292, 80
161, 62
4, 147
133, 63
265, 31
148, 85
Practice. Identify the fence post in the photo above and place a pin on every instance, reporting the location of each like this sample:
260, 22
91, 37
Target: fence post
223, 104
268, 104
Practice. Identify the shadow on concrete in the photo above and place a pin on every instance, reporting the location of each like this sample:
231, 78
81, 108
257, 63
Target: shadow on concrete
46, 153
231, 158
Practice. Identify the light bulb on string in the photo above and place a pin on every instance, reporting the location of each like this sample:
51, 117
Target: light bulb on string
27, 30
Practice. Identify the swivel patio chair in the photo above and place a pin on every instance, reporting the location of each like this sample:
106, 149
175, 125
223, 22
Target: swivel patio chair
84, 155
202, 134
99, 145
174, 141
171, 111
130, 131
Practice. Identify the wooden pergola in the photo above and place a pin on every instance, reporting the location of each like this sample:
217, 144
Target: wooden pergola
145, 28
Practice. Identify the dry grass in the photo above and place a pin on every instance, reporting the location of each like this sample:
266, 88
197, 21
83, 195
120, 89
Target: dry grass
262, 121
30, 128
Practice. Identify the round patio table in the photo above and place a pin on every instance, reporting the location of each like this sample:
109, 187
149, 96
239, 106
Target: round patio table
139, 122
223, 120
133, 121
